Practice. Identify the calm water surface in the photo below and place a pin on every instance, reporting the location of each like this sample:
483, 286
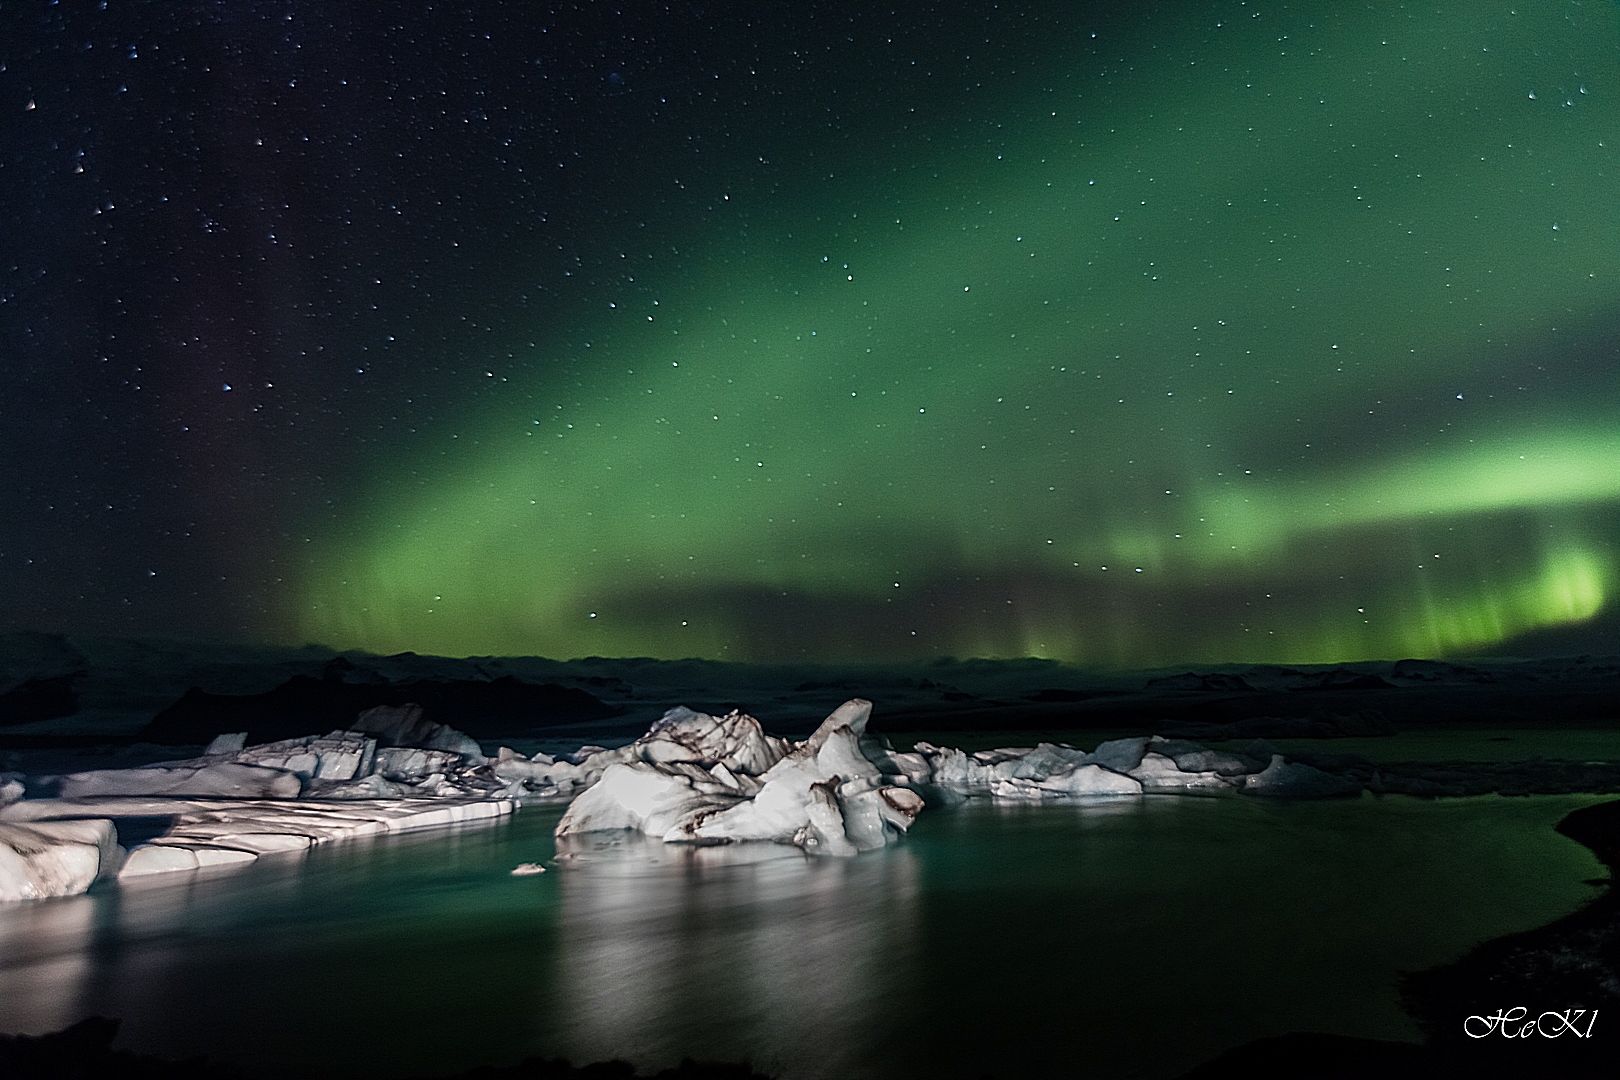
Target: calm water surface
1132, 938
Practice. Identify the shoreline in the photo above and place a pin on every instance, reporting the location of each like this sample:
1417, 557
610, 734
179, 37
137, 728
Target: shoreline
1572, 963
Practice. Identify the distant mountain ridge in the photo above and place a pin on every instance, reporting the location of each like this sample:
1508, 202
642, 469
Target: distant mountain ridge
116, 690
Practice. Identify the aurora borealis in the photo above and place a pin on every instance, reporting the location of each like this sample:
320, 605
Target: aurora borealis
1194, 332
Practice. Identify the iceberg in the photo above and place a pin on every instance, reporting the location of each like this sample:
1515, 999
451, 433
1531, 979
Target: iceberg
1055, 771
541, 777
1296, 780
695, 778
406, 725
391, 753
55, 858
1132, 766
692, 779
1160, 773
242, 781
233, 803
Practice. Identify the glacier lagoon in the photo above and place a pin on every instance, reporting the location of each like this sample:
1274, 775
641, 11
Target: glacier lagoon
1136, 937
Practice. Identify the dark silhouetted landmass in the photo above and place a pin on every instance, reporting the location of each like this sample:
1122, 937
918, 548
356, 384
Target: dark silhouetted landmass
482, 708
39, 699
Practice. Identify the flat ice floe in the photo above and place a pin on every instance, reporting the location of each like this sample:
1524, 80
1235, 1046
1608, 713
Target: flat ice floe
395, 772
217, 832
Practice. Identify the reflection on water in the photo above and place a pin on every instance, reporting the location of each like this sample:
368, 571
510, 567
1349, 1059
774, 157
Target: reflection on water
43, 943
1130, 938
671, 951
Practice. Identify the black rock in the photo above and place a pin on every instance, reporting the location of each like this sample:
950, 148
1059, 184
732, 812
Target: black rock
84, 1052
1314, 1056
561, 1069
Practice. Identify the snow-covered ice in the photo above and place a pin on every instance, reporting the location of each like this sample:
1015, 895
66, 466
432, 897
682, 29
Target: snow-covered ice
695, 778
39, 859
180, 780
213, 832
361, 763
234, 802
1117, 767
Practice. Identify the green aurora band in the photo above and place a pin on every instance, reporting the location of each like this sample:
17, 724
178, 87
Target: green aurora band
1274, 345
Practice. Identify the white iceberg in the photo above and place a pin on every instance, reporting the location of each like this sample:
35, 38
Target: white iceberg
1053, 771
231, 743
1076, 780
540, 776
1159, 773
55, 858
407, 725
235, 802
412, 764
341, 755
695, 778
347, 764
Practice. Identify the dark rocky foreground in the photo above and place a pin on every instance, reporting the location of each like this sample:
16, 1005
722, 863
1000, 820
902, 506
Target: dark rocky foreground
85, 1052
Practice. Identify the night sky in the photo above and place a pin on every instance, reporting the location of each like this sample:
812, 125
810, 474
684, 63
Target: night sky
1125, 334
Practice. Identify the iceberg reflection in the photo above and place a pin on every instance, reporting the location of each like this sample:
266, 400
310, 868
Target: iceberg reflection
44, 965
752, 950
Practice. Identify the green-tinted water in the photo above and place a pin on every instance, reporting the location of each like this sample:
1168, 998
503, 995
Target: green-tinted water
1129, 939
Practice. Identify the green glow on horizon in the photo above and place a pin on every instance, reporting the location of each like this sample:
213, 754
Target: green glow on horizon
1533, 472
1161, 339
